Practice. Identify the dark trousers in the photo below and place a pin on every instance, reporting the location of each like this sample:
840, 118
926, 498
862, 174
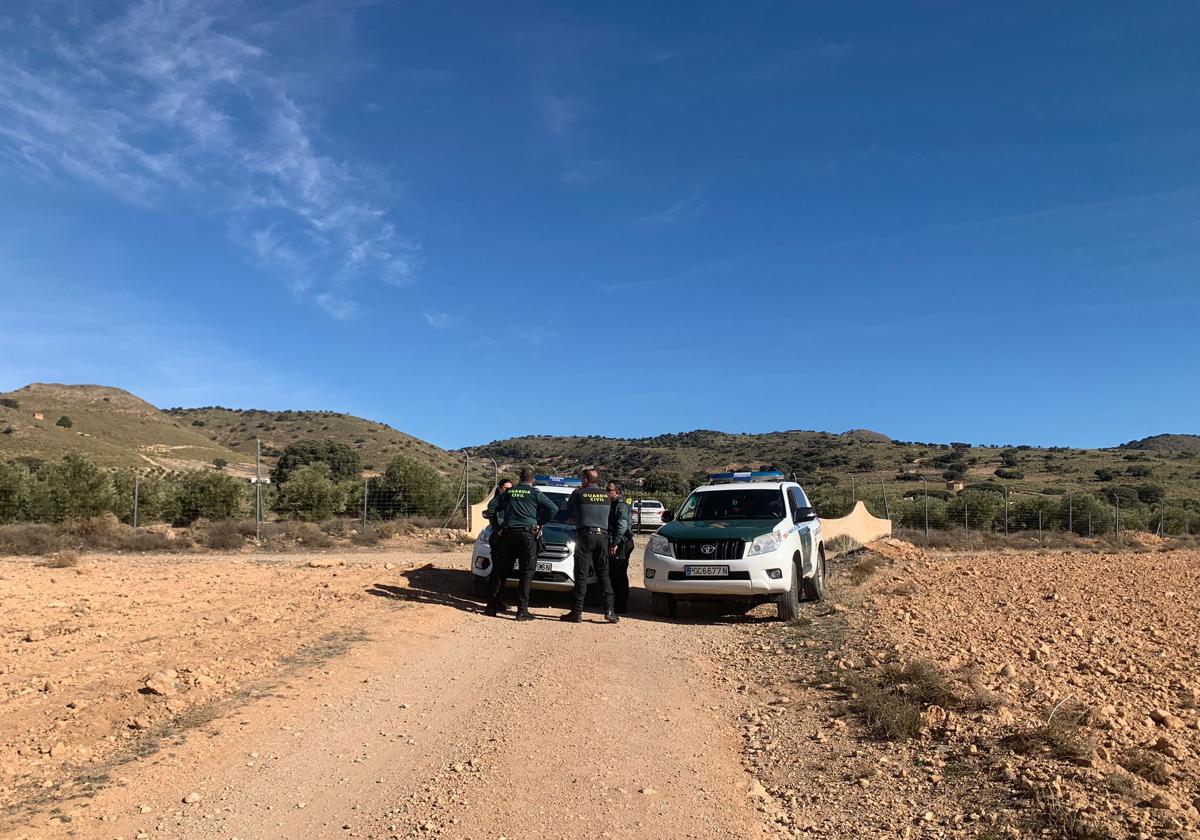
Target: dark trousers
519, 548
494, 543
591, 553
619, 572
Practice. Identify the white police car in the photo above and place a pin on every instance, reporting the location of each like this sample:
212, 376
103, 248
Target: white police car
555, 562
748, 536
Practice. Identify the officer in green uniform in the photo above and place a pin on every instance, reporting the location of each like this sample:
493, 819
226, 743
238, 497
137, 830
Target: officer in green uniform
520, 513
589, 506
489, 514
620, 546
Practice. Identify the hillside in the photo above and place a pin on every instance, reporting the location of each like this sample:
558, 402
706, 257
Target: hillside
376, 443
822, 460
111, 427
1166, 443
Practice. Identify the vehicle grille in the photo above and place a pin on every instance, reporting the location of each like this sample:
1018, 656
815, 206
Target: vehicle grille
554, 552
723, 549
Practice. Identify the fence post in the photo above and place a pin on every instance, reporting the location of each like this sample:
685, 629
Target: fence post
853, 495
366, 487
1039, 522
136, 481
1005, 510
1117, 518
1071, 512
467, 489
257, 489
1162, 517
925, 485
1090, 531
887, 513
966, 523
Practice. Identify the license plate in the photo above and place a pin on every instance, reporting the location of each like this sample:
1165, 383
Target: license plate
543, 566
706, 571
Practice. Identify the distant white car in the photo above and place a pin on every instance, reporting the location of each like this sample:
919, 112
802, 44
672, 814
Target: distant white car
647, 514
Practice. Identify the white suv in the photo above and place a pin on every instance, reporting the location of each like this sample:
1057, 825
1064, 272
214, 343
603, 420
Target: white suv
647, 514
746, 536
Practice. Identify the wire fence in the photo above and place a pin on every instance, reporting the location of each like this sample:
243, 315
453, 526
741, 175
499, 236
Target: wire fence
73, 490
929, 505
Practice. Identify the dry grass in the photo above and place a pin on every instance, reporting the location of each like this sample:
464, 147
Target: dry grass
891, 702
1069, 823
981, 696
888, 715
1062, 736
225, 535
864, 566
62, 560
922, 682
842, 544
31, 539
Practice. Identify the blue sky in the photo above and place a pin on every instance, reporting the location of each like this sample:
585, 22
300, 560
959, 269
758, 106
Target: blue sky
476, 220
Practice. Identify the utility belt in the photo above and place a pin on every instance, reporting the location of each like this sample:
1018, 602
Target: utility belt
592, 530
527, 529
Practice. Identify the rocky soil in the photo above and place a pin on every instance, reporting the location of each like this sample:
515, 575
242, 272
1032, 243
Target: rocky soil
1103, 646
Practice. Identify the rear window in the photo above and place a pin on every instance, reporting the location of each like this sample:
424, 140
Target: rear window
648, 504
734, 503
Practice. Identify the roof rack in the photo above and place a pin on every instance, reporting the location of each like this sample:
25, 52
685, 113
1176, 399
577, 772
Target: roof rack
731, 477
556, 481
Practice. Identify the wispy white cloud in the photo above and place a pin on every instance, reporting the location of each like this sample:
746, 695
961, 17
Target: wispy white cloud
440, 320
560, 113
679, 212
174, 100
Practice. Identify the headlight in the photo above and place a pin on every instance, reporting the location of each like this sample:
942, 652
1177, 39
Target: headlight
764, 544
660, 545
571, 547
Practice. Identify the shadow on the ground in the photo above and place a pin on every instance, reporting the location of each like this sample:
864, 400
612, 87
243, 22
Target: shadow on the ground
431, 584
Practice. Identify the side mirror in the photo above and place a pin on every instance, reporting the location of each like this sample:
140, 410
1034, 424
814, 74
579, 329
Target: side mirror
668, 516
806, 514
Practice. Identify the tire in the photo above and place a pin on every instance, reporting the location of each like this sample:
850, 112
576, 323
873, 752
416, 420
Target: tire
789, 603
814, 587
663, 604
481, 586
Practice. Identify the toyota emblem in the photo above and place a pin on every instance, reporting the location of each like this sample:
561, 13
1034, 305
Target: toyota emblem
708, 549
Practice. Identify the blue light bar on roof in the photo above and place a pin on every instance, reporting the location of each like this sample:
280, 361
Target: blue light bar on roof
556, 481
764, 475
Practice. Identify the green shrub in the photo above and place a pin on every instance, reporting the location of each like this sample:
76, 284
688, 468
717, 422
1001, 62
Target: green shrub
204, 494
73, 488
223, 535
9, 402
310, 494
343, 461
64, 421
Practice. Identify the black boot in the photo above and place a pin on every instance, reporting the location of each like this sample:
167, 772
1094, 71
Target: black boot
611, 618
573, 617
492, 607
524, 615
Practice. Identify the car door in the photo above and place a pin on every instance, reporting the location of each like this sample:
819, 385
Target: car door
796, 501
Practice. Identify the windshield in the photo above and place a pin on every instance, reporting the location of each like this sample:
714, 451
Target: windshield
564, 511
735, 503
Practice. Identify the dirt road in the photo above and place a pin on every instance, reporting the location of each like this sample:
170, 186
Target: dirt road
437, 722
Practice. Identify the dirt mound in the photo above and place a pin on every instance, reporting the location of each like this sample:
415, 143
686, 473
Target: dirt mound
895, 549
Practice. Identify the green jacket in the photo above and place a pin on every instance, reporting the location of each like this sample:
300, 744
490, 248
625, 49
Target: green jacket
620, 522
489, 513
524, 506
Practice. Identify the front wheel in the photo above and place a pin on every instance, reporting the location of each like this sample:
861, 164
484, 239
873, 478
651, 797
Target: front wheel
481, 586
663, 604
789, 603
814, 587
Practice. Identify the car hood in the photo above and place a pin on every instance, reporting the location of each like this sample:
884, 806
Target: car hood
733, 529
553, 533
